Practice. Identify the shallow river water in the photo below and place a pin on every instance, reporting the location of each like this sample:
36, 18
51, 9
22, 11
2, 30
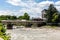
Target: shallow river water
34, 34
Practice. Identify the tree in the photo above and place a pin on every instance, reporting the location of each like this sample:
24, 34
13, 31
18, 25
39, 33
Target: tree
55, 18
50, 12
7, 17
25, 16
21, 17
59, 17
13, 17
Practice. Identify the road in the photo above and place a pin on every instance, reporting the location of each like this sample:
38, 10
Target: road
34, 34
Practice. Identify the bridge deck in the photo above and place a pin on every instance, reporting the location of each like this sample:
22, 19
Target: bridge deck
16, 21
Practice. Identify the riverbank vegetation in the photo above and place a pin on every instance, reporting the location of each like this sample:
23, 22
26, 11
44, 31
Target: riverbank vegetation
9, 17
52, 15
3, 34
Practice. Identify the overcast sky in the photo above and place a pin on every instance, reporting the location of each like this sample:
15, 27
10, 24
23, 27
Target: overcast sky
32, 7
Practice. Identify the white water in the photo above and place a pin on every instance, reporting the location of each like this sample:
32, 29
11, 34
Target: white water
34, 34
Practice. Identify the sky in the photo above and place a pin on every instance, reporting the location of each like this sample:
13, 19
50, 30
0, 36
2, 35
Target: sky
32, 7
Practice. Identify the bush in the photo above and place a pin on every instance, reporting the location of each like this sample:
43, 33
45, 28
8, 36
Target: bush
3, 30
2, 33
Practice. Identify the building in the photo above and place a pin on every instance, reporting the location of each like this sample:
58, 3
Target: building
44, 14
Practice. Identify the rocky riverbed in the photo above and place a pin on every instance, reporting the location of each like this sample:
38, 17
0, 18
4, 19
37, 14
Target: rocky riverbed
34, 34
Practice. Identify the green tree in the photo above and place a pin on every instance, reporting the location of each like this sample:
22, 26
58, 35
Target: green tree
55, 18
13, 17
7, 17
50, 12
21, 17
25, 16
59, 17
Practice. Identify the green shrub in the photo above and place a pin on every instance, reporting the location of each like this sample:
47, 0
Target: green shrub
3, 30
2, 33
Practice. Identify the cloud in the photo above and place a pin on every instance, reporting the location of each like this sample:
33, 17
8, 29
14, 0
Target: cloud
8, 12
57, 3
32, 7
45, 4
5, 12
21, 3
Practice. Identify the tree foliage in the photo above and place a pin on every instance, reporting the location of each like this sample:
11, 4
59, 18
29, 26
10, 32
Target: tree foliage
52, 14
3, 34
55, 18
25, 16
7, 17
